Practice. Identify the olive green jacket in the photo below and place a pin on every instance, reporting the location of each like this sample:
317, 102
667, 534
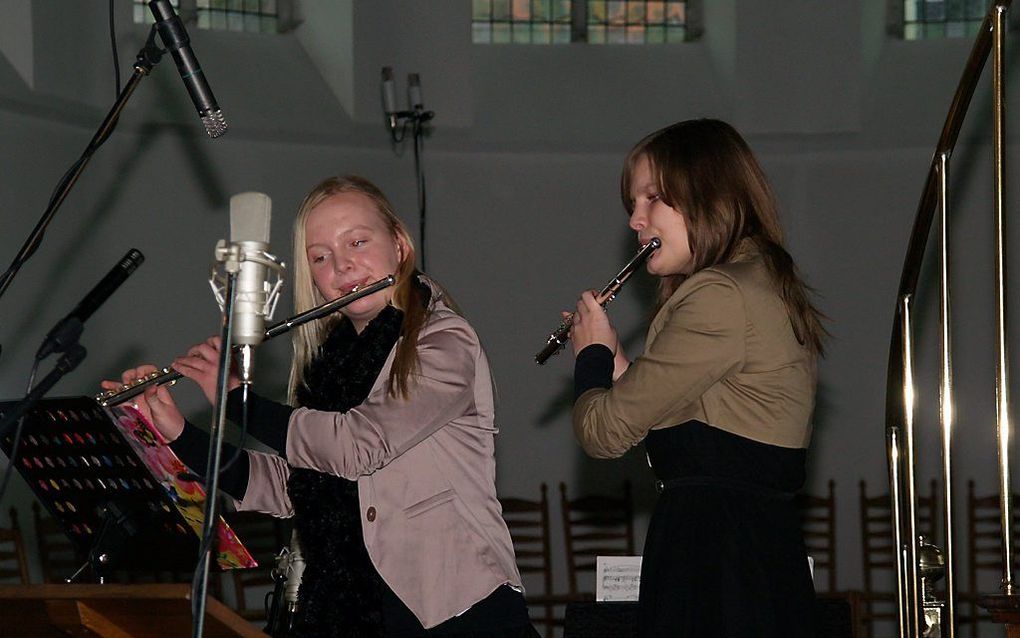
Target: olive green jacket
721, 350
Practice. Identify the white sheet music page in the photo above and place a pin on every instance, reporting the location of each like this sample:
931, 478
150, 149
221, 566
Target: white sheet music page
617, 578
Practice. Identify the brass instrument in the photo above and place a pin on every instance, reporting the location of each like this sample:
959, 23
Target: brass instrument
169, 375
922, 613
561, 335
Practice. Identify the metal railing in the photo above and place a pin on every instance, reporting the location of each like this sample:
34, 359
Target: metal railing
918, 562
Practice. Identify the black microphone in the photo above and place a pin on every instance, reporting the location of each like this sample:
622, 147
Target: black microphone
175, 39
68, 329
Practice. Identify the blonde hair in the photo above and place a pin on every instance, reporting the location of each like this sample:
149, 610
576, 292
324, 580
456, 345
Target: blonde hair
406, 295
706, 172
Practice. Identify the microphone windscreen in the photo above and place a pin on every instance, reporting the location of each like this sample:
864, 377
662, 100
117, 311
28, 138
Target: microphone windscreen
250, 217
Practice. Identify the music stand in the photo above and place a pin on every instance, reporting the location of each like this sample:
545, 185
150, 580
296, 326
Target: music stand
115, 488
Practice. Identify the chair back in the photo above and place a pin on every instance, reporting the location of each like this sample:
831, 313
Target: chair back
528, 522
984, 551
13, 562
878, 550
595, 525
818, 524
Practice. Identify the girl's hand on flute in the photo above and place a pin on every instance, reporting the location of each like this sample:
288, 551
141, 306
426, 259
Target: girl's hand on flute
591, 325
155, 403
201, 365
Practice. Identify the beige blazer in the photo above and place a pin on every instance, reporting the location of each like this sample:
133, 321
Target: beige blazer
721, 350
425, 470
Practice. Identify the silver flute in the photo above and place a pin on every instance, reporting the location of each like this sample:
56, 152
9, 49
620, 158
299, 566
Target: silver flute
169, 375
561, 335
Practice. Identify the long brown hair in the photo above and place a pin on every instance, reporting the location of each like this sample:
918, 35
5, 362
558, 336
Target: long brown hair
706, 172
406, 295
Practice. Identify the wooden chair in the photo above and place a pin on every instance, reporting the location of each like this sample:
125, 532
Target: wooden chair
264, 536
879, 603
595, 525
528, 522
984, 554
13, 562
57, 557
818, 524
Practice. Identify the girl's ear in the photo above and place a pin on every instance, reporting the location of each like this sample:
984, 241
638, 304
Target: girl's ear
402, 250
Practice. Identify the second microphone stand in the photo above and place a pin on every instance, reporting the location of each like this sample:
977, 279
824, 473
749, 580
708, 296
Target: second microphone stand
232, 266
416, 117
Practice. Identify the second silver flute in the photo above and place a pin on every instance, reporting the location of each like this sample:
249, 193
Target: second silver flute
561, 335
169, 375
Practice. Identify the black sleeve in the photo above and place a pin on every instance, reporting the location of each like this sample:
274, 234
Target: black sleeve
192, 447
267, 420
593, 368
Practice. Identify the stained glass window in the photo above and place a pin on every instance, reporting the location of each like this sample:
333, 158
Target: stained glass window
926, 19
591, 21
252, 16
520, 21
636, 21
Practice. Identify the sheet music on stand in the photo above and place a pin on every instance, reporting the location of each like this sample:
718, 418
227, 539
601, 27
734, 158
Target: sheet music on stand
617, 578
85, 462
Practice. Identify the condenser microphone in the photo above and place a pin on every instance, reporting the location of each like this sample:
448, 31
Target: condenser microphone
415, 100
175, 39
414, 92
389, 97
246, 262
67, 331
249, 232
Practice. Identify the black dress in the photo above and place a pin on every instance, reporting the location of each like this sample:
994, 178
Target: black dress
724, 554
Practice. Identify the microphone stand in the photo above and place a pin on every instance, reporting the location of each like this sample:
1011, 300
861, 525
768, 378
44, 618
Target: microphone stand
74, 354
199, 587
417, 116
148, 56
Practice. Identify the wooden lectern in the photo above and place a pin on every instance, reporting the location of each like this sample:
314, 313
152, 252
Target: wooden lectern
111, 611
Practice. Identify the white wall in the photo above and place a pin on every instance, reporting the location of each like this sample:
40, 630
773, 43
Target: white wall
522, 165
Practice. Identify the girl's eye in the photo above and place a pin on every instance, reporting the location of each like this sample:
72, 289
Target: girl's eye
318, 259
359, 242
654, 198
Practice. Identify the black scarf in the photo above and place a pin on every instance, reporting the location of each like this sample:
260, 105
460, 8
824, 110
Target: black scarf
340, 591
